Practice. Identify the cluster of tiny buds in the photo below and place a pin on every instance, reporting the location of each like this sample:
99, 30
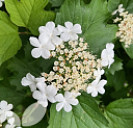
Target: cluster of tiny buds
74, 67
125, 32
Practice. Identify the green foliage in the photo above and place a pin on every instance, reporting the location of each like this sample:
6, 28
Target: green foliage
84, 115
29, 13
92, 18
10, 42
120, 113
116, 66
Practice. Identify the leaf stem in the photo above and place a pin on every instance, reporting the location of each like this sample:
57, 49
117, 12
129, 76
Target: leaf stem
24, 33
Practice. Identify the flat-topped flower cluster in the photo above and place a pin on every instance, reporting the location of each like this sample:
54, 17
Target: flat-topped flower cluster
125, 24
75, 67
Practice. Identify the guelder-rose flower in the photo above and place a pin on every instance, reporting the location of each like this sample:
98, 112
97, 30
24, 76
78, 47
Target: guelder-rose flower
42, 45
97, 86
1, 3
31, 81
65, 101
107, 55
5, 111
70, 31
44, 94
51, 33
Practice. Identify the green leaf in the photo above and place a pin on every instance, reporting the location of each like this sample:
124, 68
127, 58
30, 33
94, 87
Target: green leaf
24, 63
10, 95
56, 3
120, 113
117, 80
116, 66
129, 50
92, 17
29, 13
84, 115
10, 42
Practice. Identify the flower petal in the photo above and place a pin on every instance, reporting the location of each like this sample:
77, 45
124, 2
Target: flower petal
45, 54
37, 95
61, 28
65, 36
34, 42
36, 52
67, 107
50, 26
69, 25
59, 106
77, 28
43, 103
59, 98
56, 40
32, 87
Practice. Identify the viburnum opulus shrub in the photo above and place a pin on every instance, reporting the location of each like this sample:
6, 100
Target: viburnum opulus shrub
66, 63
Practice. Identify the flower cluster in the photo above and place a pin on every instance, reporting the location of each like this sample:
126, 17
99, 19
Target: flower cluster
7, 114
75, 68
125, 24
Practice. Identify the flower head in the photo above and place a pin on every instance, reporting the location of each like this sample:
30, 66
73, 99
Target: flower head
70, 31
97, 86
5, 111
51, 33
107, 55
42, 45
125, 31
65, 101
31, 81
74, 67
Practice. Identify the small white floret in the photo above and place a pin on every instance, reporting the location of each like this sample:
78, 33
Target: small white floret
65, 101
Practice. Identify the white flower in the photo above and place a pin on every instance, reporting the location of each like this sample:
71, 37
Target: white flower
42, 45
98, 73
97, 86
11, 122
120, 9
65, 101
31, 81
49, 31
70, 31
107, 55
5, 111
1, 3
44, 94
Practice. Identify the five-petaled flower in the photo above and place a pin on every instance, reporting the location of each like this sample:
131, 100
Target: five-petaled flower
97, 86
45, 94
43, 47
65, 101
5, 111
51, 33
107, 55
31, 81
70, 31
